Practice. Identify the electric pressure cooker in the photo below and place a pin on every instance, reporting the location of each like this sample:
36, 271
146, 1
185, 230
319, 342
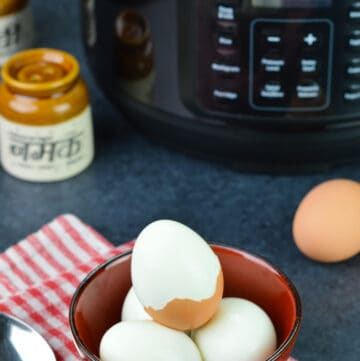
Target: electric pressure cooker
261, 83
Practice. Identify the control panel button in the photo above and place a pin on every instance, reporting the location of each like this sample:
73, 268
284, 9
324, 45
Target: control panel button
353, 68
225, 96
226, 41
352, 94
272, 90
309, 65
226, 12
225, 69
354, 12
308, 89
354, 40
226, 37
272, 63
311, 39
272, 38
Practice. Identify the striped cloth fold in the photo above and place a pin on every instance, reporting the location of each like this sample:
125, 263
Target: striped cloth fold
39, 275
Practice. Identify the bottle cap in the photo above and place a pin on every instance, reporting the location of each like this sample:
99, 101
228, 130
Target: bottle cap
40, 72
11, 6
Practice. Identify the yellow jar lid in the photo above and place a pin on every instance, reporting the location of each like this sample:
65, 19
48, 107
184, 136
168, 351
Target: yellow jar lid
40, 72
11, 6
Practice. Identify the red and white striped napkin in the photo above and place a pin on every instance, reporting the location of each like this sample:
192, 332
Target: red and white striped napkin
39, 275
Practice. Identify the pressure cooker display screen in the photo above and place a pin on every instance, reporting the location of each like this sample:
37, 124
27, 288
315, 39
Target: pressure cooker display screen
292, 3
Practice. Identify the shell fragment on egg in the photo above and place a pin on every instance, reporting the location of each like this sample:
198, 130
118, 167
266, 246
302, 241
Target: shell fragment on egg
176, 275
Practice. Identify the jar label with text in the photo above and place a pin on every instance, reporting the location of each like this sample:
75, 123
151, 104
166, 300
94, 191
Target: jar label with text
47, 153
16, 33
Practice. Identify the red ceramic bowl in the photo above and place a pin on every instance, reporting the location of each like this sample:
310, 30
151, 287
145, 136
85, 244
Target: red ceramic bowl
97, 302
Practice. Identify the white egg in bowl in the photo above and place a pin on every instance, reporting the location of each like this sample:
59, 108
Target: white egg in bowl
97, 302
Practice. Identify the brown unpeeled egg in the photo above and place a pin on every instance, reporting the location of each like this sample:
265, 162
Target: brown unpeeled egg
326, 226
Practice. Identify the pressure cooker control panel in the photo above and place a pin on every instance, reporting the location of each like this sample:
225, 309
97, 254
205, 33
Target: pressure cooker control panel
282, 58
299, 80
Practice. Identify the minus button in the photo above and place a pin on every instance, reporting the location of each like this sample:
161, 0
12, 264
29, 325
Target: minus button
275, 39
272, 37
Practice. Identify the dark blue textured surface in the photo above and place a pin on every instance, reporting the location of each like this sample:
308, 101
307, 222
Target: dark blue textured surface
134, 181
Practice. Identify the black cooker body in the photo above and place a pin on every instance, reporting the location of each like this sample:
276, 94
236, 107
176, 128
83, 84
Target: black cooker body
266, 84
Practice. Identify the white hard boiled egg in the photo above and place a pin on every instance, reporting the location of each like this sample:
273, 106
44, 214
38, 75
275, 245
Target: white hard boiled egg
146, 341
176, 275
132, 309
240, 330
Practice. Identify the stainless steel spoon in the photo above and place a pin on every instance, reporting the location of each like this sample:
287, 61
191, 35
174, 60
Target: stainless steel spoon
20, 342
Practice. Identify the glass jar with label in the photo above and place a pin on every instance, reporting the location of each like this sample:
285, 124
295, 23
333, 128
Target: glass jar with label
46, 131
16, 27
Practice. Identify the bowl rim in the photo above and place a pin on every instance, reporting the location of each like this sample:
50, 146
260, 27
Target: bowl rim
84, 352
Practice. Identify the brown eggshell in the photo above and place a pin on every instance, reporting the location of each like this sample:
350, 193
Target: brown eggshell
326, 225
188, 314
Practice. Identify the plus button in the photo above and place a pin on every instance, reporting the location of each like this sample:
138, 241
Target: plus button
310, 39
